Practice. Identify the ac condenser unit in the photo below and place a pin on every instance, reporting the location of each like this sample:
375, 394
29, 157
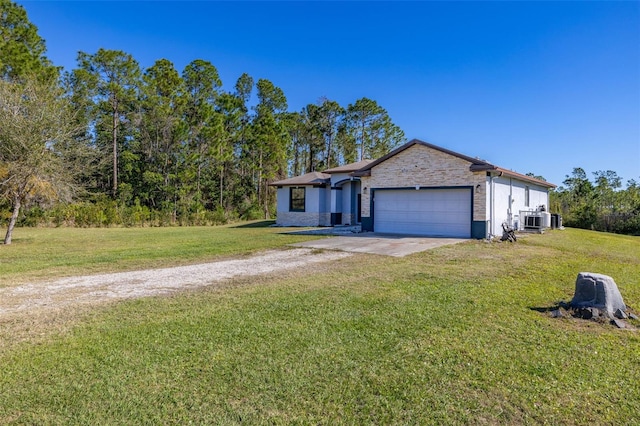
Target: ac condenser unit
532, 222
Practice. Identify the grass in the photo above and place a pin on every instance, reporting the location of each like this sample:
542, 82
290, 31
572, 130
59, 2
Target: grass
448, 336
38, 253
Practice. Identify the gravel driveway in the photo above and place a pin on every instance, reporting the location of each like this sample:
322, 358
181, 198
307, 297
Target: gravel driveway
127, 285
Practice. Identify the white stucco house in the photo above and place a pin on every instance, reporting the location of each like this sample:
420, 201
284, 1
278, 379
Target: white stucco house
417, 189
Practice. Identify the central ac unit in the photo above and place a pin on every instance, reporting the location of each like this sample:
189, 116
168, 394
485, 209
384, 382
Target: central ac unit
532, 221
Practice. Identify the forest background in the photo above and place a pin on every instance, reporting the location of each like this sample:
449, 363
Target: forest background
111, 144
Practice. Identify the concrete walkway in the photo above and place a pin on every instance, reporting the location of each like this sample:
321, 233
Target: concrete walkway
383, 244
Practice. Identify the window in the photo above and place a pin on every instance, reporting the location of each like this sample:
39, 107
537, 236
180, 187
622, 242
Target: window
296, 199
526, 196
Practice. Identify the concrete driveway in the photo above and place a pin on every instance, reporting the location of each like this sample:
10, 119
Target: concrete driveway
383, 244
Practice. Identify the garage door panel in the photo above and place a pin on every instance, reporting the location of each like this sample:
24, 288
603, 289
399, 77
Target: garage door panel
437, 212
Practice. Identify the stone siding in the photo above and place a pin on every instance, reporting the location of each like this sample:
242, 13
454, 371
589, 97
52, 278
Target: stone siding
348, 219
303, 219
422, 166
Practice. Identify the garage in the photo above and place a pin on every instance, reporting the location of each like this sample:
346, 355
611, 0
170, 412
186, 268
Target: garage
433, 212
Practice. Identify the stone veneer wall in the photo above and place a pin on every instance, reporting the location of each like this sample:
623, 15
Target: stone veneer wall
348, 219
303, 219
424, 166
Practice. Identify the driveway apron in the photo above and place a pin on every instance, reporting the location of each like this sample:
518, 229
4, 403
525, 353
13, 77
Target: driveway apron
382, 244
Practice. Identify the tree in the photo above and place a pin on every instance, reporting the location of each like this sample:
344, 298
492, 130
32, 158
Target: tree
578, 184
330, 116
110, 78
36, 145
312, 135
231, 110
535, 176
160, 130
245, 192
270, 138
372, 129
203, 126
607, 198
297, 148
602, 205
577, 200
317, 130
22, 50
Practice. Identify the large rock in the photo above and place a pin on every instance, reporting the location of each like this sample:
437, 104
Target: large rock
597, 291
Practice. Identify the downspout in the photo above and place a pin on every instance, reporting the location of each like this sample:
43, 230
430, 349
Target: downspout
509, 209
490, 233
492, 195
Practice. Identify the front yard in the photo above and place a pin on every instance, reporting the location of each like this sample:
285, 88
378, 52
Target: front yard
449, 336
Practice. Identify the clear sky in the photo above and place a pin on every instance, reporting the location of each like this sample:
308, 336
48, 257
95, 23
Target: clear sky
538, 87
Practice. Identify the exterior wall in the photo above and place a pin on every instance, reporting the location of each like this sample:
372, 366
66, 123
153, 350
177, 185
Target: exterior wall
345, 202
343, 197
339, 177
324, 206
350, 191
422, 166
339, 184
303, 219
336, 205
317, 203
509, 200
282, 202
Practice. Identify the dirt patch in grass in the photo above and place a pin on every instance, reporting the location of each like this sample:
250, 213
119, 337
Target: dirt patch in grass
30, 309
151, 282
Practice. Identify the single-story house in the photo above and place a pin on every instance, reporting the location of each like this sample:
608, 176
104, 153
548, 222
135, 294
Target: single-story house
417, 189
330, 198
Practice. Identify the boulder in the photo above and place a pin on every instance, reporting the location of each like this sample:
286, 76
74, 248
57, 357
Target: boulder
620, 314
618, 323
597, 291
557, 313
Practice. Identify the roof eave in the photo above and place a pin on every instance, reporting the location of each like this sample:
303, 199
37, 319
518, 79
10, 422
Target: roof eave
318, 184
511, 173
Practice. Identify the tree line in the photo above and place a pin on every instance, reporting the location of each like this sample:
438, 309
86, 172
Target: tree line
600, 204
110, 143
134, 146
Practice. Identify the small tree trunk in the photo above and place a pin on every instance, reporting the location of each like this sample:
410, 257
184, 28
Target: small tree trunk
328, 163
14, 217
114, 136
221, 184
266, 201
362, 143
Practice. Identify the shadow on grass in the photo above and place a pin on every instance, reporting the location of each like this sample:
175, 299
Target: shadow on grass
544, 309
561, 304
258, 224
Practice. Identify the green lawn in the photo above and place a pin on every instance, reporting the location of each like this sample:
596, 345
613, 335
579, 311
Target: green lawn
449, 336
38, 253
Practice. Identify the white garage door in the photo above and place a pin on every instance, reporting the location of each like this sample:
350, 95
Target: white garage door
435, 212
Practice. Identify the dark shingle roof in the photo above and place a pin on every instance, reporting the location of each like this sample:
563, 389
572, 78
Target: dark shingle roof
347, 168
312, 178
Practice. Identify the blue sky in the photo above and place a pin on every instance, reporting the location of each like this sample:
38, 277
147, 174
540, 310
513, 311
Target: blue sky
537, 87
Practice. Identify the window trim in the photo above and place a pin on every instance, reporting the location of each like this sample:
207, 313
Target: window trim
304, 198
